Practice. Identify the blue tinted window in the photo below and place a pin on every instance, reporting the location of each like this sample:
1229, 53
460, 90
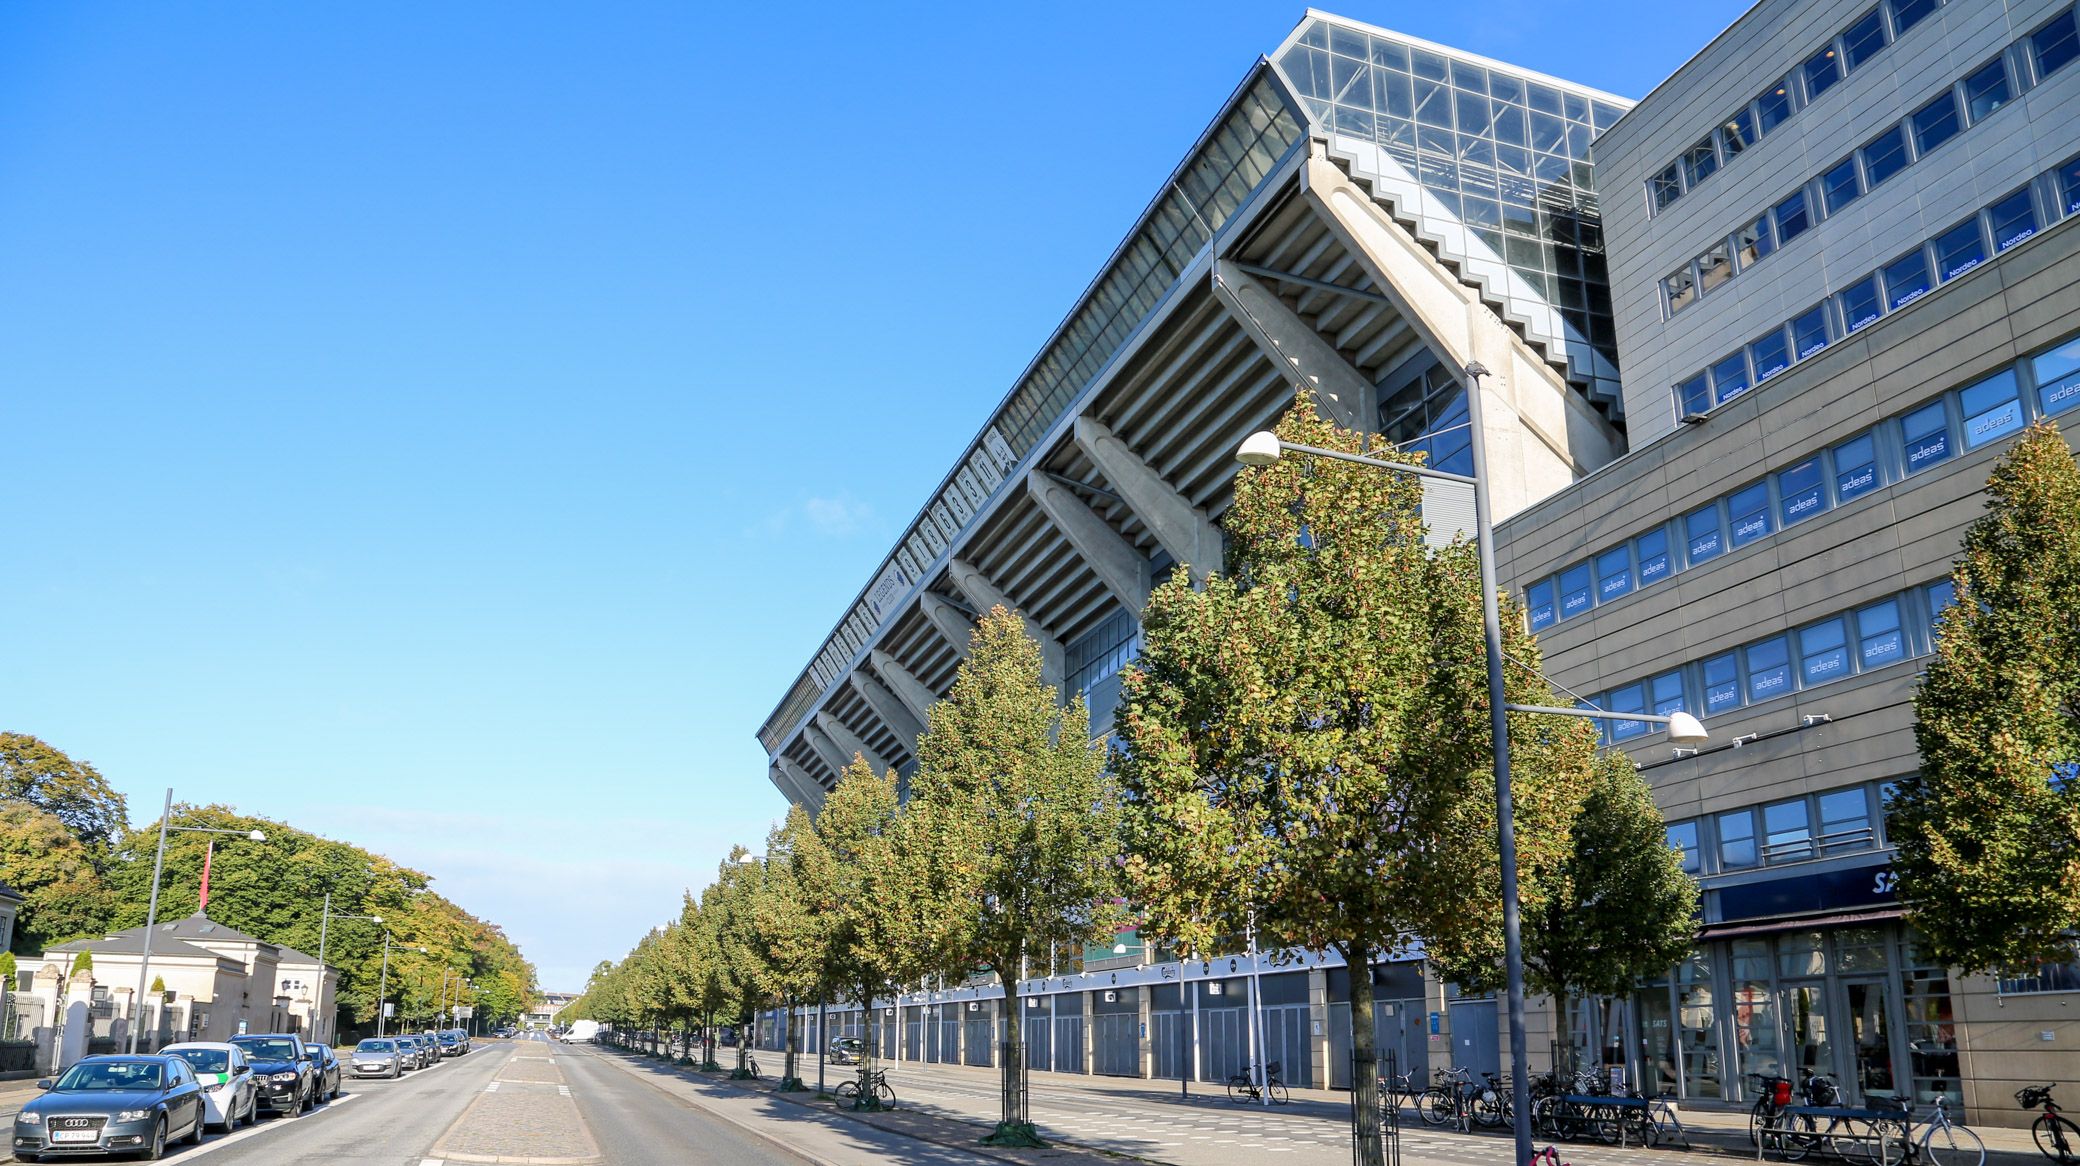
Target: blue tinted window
1940, 597
1737, 839
1667, 187
2055, 44
1839, 187
2058, 377
1992, 408
1927, 434
1771, 354
1682, 838
1631, 699
1878, 634
1538, 604
1791, 216
1730, 377
1738, 132
1769, 669
1960, 249
1906, 279
1748, 511
1908, 13
1774, 106
1823, 652
1702, 530
1821, 71
2014, 219
1801, 493
1652, 549
1855, 467
1754, 242
1935, 123
2069, 186
1700, 162
1809, 331
1860, 303
1613, 573
1695, 395
1987, 90
1885, 156
1574, 591
1665, 694
1722, 684
1862, 40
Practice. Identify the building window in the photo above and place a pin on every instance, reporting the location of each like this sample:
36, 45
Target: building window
2059, 977
1665, 187
1722, 684
1821, 71
1630, 699
1427, 414
1769, 668
1809, 331
1702, 529
2014, 219
1613, 574
1652, 549
1773, 108
1845, 820
1823, 652
1700, 162
1792, 218
1730, 377
1738, 132
1906, 279
1908, 13
1680, 288
1800, 491
1749, 511
1992, 409
1839, 186
1713, 269
1987, 90
1682, 838
1935, 123
1941, 595
1538, 602
1100, 653
1855, 467
1665, 694
1862, 40
1736, 839
1885, 156
1960, 249
1574, 591
2055, 44
1771, 354
2069, 186
1753, 243
1927, 437
1787, 831
2058, 377
1879, 638
1860, 303
1695, 394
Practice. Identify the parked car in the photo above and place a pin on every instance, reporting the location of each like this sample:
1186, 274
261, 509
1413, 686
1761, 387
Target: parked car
846, 1050
282, 1070
450, 1044
378, 1057
326, 1062
112, 1104
226, 1077
421, 1055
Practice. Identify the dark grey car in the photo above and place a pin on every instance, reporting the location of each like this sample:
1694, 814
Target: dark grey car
112, 1104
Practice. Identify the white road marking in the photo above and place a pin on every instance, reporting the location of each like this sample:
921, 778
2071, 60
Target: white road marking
217, 1143
564, 1089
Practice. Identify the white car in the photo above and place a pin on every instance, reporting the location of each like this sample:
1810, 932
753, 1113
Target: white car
226, 1076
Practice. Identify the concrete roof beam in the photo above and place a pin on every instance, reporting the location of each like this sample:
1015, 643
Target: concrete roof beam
985, 594
1182, 529
1342, 393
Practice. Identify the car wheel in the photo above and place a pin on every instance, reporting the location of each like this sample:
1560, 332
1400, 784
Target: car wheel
195, 1133
157, 1149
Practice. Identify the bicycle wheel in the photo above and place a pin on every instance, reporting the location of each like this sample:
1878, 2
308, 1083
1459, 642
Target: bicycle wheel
1949, 1145
1793, 1134
2058, 1138
846, 1092
1278, 1092
1757, 1117
885, 1095
1238, 1089
1434, 1106
1543, 1118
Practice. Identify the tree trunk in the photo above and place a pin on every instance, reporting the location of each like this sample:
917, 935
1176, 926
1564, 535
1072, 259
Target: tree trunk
744, 1039
788, 1078
1013, 1055
1365, 1061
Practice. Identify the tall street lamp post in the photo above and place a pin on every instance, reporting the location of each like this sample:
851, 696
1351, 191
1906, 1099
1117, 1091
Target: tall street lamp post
1262, 449
325, 918
151, 914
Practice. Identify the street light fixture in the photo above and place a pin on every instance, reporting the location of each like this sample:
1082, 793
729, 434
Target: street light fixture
1263, 449
318, 1009
151, 914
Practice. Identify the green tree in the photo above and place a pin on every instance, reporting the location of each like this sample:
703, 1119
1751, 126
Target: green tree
790, 934
1015, 824
1305, 741
65, 895
727, 941
1989, 830
34, 772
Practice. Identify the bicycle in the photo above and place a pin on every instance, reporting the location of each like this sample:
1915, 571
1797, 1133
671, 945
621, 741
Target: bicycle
2056, 1136
855, 1091
1941, 1143
1398, 1088
1242, 1086
1489, 1105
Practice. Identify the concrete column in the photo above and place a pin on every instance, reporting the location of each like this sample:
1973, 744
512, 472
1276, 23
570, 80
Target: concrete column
952, 624
795, 784
1183, 529
46, 986
1318, 1022
985, 595
1090, 1032
1117, 564
896, 714
1147, 1030
79, 1020
1302, 355
825, 748
1541, 434
848, 743
906, 687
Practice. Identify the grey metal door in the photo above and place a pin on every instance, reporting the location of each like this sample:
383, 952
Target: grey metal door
1117, 1048
1287, 1030
980, 1039
949, 1037
913, 1035
1223, 1043
1476, 1044
1037, 1032
1068, 1040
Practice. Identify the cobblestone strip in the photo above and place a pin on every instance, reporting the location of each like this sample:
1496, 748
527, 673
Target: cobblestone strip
525, 1116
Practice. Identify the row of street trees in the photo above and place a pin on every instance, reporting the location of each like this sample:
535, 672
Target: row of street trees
1302, 751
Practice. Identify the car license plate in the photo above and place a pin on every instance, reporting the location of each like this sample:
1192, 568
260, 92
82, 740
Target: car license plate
75, 1135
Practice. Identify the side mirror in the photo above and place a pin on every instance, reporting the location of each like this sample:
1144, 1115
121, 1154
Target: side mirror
46, 1084
244, 1069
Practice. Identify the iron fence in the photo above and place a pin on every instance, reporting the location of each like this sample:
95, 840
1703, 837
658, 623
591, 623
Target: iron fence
1380, 1121
1014, 1087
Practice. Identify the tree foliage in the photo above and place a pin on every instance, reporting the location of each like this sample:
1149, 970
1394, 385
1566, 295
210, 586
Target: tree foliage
34, 772
57, 875
1989, 830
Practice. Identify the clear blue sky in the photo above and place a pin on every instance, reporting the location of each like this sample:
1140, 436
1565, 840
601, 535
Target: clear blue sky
450, 427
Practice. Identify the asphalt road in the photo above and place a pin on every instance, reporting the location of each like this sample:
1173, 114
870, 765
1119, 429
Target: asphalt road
636, 1124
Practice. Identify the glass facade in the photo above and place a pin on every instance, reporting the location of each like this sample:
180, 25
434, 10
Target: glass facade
1505, 153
